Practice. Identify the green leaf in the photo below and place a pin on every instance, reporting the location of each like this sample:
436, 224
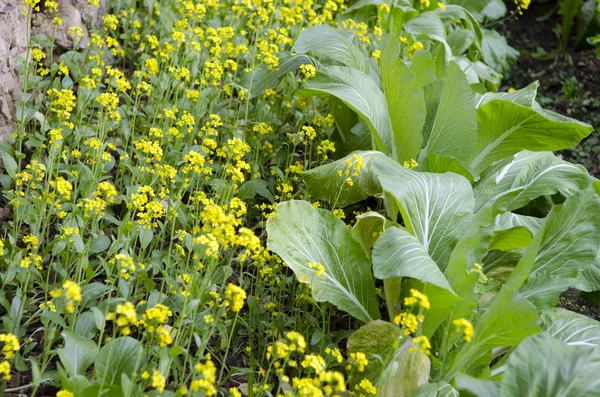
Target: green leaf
434, 207
454, 128
328, 42
506, 322
325, 183
475, 387
263, 78
518, 237
571, 328
407, 370
10, 164
506, 128
301, 234
496, 52
437, 389
405, 102
430, 25
119, 356
369, 226
99, 244
566, 244
251, 188
397, 253
544, 366
423, 67
439, 165
359, 92
528, 176
78, 354
524, 96
377, 339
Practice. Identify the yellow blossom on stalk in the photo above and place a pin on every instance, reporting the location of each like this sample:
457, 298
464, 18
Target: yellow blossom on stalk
308, 71
360, 360
365, 387
313, 361
64, 393
11, 345
521, 5
441, 5
72, 293
410, 164
463, 325
158, 381
416, 46
296, 341
157, 314
31, 241
423, 343
207, 383
1, 247
110, 21
417, 297
5, 370
235, 297
125, 316
409, 322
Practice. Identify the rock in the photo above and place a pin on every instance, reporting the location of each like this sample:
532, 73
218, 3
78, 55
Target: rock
13, 44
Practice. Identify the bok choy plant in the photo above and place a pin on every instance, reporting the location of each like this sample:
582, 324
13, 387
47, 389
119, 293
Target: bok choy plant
482, 229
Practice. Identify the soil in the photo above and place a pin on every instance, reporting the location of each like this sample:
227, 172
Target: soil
569, 81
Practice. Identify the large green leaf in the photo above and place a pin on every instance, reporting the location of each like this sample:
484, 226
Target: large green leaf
528, 176
434, 207
77, 354
524, 96
119, 356
301, 234
571, 328
328, 42
506, 322
405, 101
397, 253
325, 182
505, 128
454, 127
423, 67
359, 92
566, 244
543, 366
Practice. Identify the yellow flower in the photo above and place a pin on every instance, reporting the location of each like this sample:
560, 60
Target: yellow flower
423, 343
463, 325
235, 296
360, 360
365, 387
65, 393
158, 381
11, 344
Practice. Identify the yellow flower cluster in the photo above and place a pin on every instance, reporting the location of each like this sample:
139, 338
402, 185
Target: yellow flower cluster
465, 327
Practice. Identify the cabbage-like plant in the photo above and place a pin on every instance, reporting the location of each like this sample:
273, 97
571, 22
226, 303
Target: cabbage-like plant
490, 226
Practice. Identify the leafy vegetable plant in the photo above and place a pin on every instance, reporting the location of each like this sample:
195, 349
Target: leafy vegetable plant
483, 227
